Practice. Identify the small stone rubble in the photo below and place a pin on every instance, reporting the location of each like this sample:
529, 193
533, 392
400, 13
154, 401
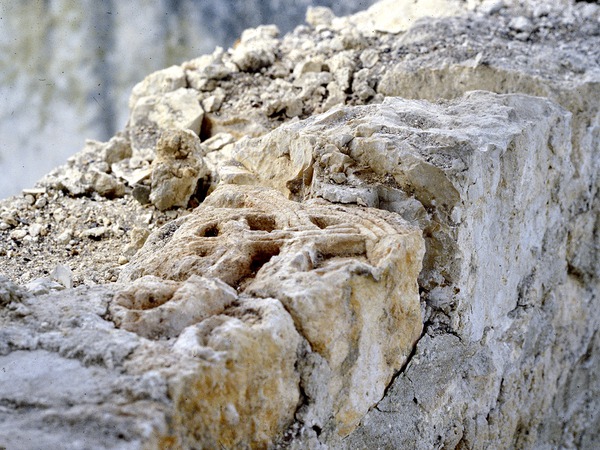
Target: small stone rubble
375, 231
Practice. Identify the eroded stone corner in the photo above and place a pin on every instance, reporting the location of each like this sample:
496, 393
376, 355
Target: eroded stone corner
296, 312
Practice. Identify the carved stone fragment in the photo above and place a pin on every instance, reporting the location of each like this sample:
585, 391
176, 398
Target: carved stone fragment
346, 275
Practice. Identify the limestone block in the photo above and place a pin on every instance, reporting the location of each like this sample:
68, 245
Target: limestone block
487, 182
116, 149
43, 285
431, 152
256, 48
155, 113
284, 312
362, 85
226, 380
567, 74
493, 190
216, 143
157, 83
347, 277
177, 168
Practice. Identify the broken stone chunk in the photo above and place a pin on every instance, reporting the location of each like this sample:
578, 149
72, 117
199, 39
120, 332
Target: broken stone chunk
177, 168
212, 103
141, 193
137, 238
154, 114
106, 185
160, 82
116, 149
63, 275
347, 276
256, 48
270, 323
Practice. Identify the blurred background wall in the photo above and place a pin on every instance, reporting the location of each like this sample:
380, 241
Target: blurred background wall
67, 67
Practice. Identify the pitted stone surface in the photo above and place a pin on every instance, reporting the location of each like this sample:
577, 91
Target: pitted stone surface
228, 379
278, 319
156, 308
347, 276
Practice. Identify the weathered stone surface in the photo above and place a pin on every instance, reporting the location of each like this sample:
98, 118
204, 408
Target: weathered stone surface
464, 164
140, 392
562, 273
160, 82
153, 114
155, 308
246, 385
177, 169
346, 276
232, 361
303, 248
256, 48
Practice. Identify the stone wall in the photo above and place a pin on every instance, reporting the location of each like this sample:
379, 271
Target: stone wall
372, 232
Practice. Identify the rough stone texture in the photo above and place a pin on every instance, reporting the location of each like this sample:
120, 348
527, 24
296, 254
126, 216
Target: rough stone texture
482, 299
283, 310
96, 386
220, 366
154, 113
465, 164
177, 169
72, 65
256, 48
346, 276
157, 83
